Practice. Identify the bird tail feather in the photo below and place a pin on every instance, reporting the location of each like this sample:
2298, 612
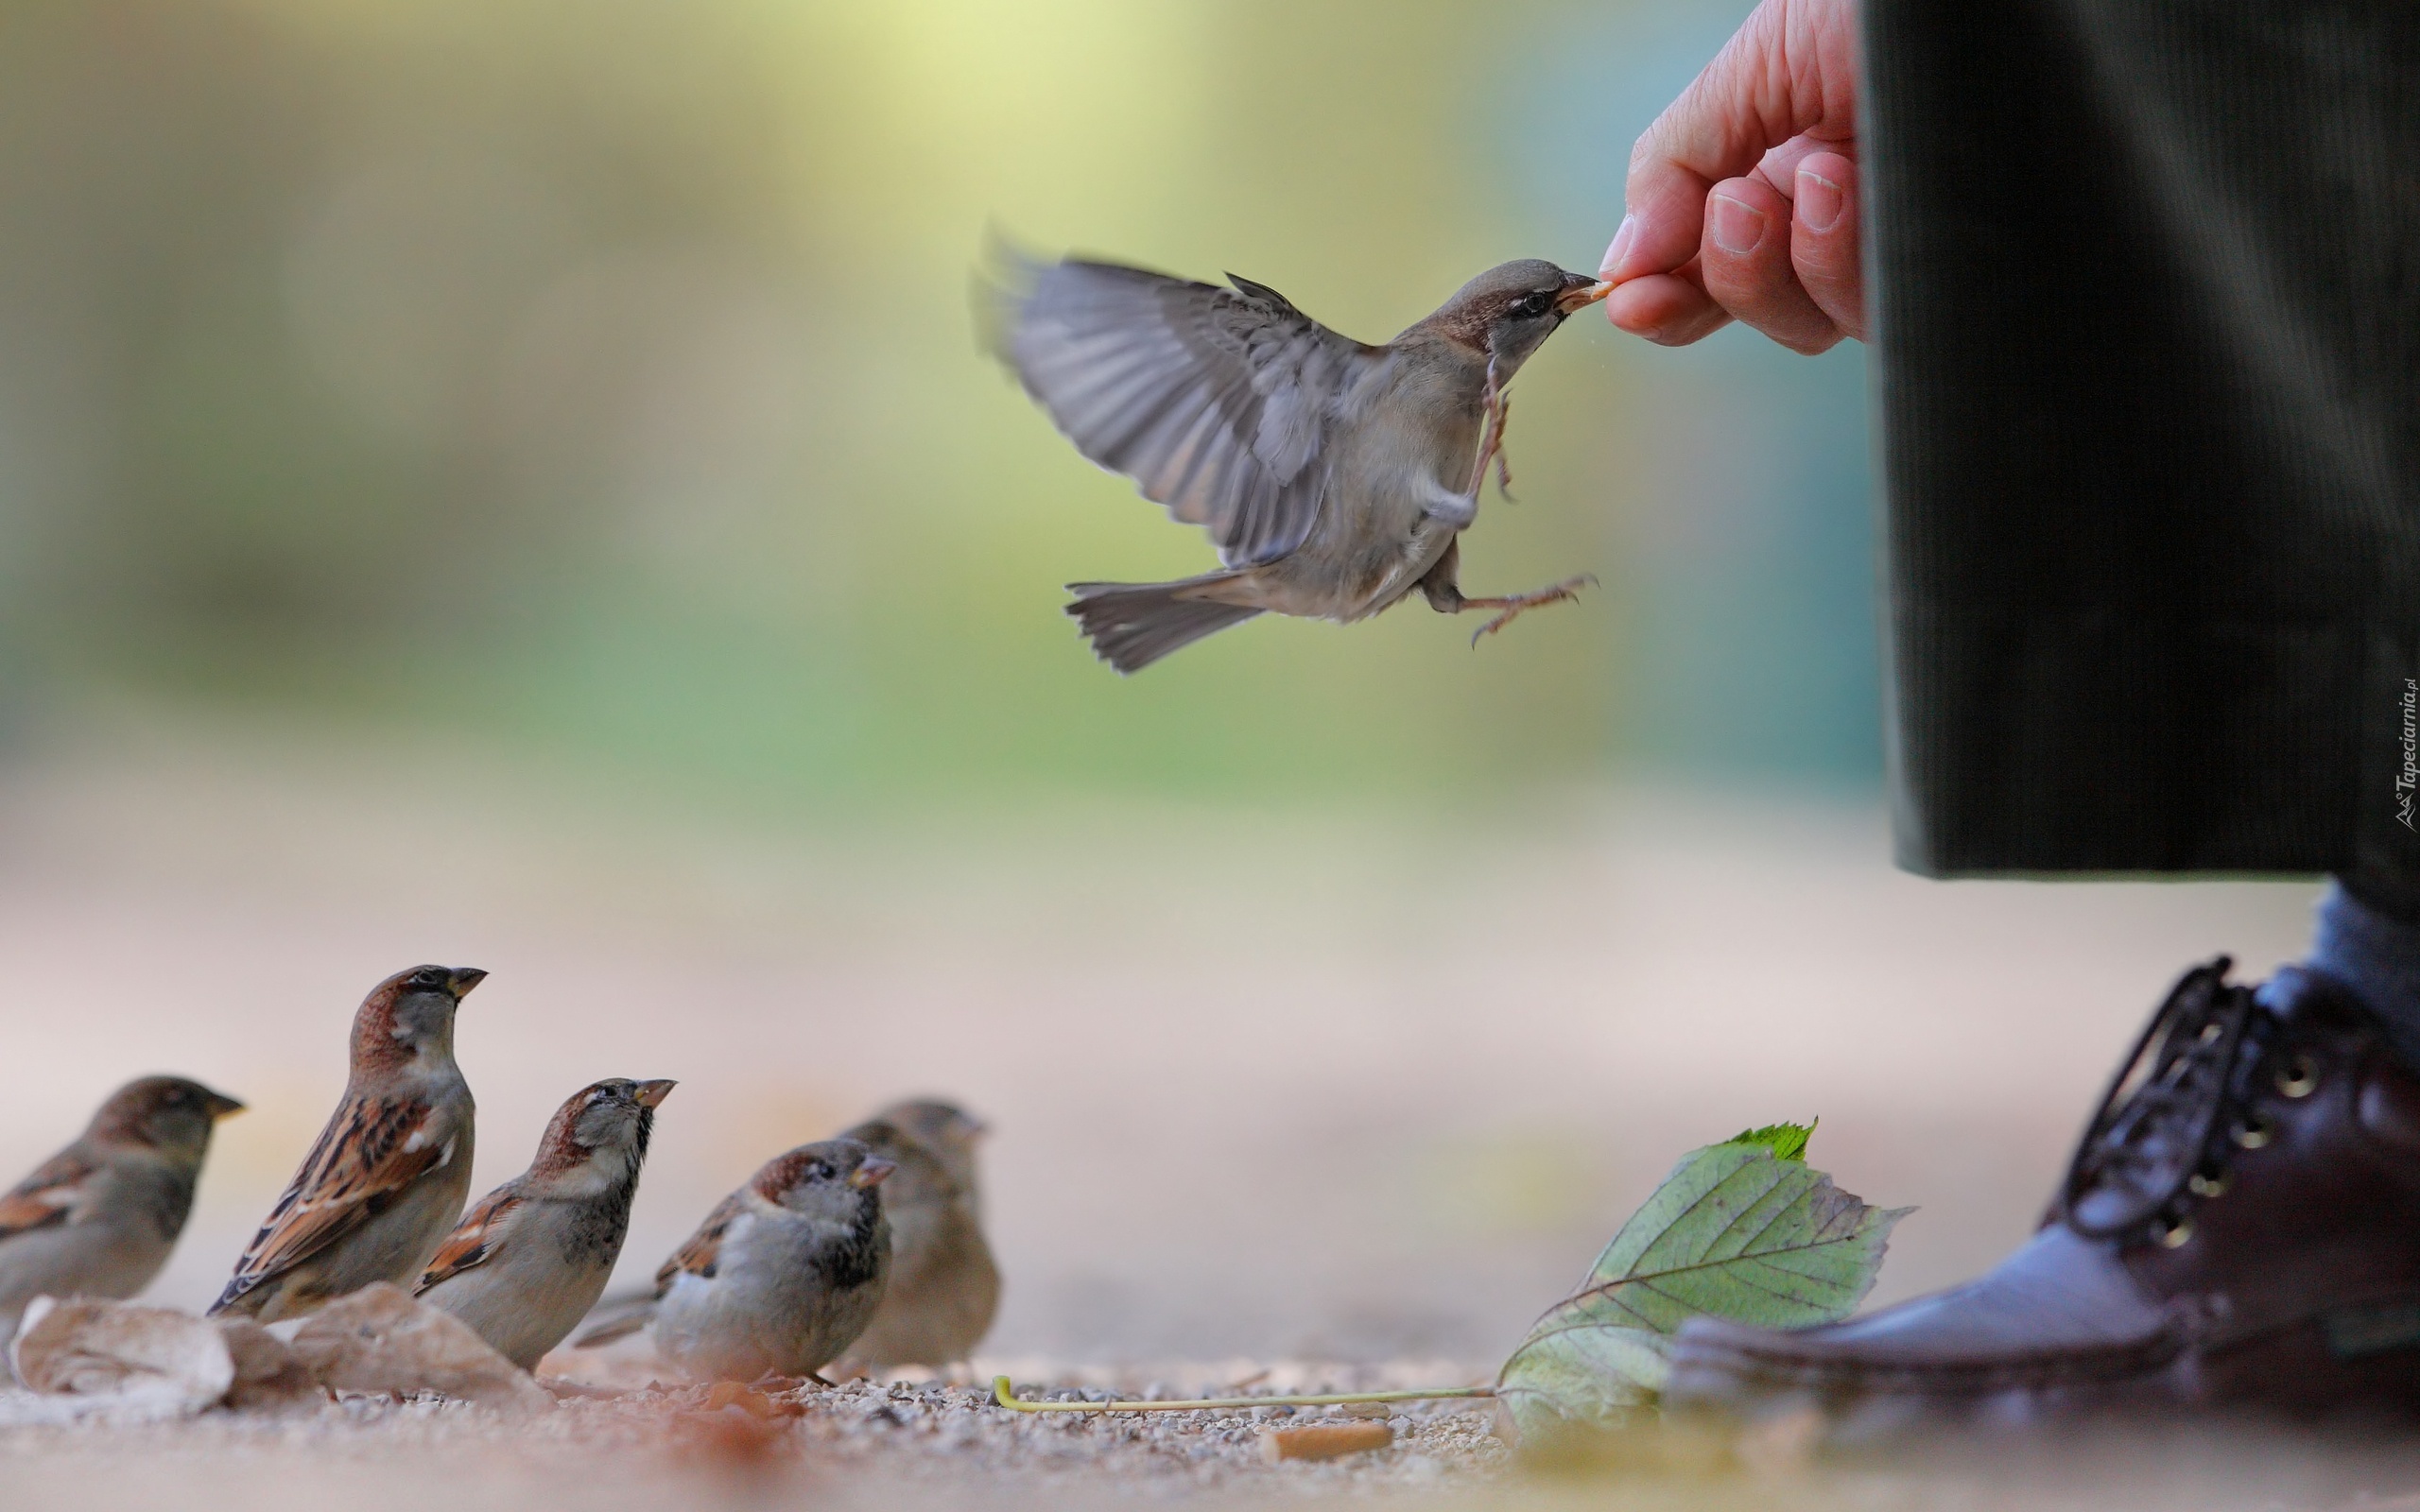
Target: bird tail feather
617, 1318
1134, 624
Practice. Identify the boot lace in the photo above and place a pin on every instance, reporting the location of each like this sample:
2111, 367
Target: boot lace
2178, 1108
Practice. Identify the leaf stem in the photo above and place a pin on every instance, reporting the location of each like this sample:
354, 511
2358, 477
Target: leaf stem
1006, 1395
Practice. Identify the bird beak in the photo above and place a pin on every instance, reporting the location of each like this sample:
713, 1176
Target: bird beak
1588, 293
871, 1174
222, 1106
465, 978
651, 1093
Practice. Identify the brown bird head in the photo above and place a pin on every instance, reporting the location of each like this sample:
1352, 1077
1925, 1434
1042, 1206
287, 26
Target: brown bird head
836, 1180
614, 1116
166, 1113
920, 1176
946, 1129
1508, 311
410, 1017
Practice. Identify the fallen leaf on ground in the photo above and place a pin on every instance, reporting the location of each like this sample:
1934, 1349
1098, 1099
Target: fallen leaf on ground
1743, 1230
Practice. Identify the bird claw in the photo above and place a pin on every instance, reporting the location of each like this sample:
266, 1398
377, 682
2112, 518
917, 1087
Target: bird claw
1496, 448
1496, 406
1519, 604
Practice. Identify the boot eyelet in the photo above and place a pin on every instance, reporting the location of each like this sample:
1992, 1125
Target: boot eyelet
2298, 1077
2254, 1131
2209, 1184
2172, 1233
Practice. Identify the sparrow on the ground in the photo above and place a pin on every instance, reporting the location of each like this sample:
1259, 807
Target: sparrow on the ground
944, 1286
530, 1258
1335, 477
386, 1179
782, 1277
99, 1218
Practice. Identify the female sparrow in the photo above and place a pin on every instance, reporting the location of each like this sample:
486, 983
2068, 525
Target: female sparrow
785, 1274
1335, 477
530, 1258
99, 1218
944, 1287
385, 1182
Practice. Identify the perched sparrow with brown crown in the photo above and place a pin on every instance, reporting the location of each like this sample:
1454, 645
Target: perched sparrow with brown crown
781, 1277
386, 1179
530, 1258
944, 1286
99, 1218
1335, 477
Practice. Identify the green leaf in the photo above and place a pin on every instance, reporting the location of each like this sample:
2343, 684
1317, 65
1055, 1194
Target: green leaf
1739, 1231
1787, 1140
1583, 1376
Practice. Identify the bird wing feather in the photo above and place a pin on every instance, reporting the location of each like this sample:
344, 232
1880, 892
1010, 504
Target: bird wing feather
703, 1251
475, 1240
369, 1152
47, 1195
1217, 402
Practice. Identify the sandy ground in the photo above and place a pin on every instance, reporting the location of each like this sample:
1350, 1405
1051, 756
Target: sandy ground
1374, 1110
904, 1446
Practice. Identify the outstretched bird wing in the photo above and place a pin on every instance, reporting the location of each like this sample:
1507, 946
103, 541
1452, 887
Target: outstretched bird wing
369, 1152
1217, 402
47, 1197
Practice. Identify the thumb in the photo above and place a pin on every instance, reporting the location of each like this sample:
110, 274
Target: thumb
1788, 71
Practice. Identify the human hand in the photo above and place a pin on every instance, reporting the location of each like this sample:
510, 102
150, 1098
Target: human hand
1742, 200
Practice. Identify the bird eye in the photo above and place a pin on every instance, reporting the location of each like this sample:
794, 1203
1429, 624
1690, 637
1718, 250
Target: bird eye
428, 976
1528, 306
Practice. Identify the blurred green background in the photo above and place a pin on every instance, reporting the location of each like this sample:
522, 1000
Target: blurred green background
597, 380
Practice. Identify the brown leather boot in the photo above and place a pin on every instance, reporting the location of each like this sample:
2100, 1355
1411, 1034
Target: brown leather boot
2239, 1230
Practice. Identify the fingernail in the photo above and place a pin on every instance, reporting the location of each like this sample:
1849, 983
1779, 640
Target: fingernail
1819, 202
1737, 225
1622, 244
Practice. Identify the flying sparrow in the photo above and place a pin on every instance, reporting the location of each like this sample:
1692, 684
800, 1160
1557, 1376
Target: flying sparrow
385, 1182
944, 1287
99, 1218
530, 1258
1335, 477
782, 1277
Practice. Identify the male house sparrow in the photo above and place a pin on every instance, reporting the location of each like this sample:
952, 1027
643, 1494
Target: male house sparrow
99, 1218
780, 1276
944, 1286
530, 1258
385, 1182
1335, 477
